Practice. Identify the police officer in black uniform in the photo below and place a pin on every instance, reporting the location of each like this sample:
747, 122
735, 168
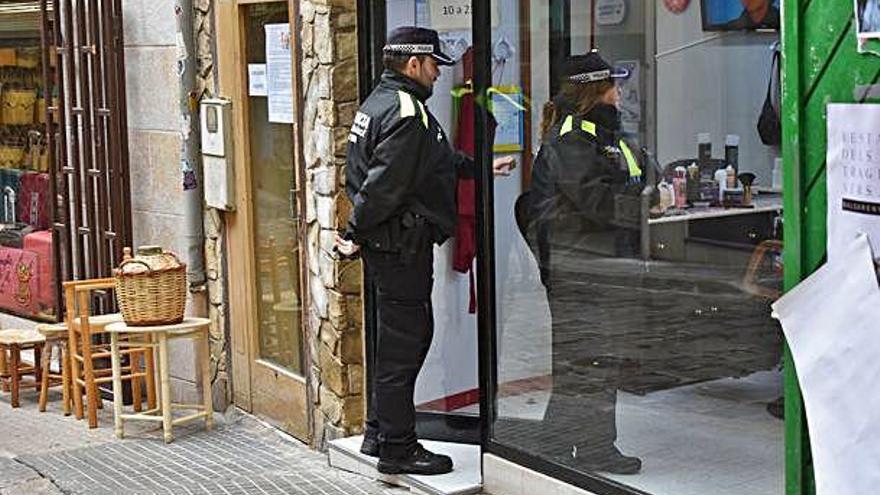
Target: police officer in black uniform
401, 178
582, 168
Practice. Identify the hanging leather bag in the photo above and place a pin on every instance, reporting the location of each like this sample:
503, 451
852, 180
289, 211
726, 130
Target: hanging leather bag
769, 124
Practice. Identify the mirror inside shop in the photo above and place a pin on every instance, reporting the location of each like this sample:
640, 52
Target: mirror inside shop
638, 242
26, 259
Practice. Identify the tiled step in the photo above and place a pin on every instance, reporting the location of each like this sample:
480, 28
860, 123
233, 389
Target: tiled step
465, 479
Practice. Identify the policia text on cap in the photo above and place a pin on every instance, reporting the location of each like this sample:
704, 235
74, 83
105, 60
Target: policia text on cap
401, 175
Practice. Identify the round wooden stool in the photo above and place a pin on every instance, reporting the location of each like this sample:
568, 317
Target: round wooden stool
13, 342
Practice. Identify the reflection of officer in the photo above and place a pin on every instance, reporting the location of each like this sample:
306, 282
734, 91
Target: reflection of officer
582, 164
756, 14
401, 178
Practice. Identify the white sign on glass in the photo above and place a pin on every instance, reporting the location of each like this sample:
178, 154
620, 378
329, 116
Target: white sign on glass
257, 80
279, 78
853, 175
610, 12
456, 15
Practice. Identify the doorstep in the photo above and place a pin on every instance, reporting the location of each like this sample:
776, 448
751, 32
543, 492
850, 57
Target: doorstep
466, 479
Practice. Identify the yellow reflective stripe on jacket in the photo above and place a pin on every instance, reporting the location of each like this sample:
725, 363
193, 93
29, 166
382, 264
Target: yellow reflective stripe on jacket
424, 113
634, 170
588, 127
567, 126
408, 108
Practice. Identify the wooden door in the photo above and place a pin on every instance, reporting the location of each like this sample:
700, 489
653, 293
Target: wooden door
264, 232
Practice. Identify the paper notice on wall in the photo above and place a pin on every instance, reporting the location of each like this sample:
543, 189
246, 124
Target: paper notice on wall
853, 175
830, 324
279, 78
257, 80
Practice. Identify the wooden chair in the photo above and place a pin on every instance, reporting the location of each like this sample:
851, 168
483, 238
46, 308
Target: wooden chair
56, 339
90, 361
13, 342
751, 280
277, 266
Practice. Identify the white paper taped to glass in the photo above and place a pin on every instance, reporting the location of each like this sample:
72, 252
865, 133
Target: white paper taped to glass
830, 322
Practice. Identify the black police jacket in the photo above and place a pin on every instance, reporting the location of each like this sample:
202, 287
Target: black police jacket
576, 175
401, 170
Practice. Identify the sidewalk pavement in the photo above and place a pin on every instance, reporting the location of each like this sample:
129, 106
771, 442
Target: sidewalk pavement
50, 454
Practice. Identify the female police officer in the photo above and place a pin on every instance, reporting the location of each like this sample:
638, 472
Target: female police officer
582, 165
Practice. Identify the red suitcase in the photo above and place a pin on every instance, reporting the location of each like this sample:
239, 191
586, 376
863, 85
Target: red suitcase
40, 243
34, 201
18, 280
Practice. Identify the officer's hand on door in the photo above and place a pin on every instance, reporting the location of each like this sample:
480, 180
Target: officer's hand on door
504, 165
344, 248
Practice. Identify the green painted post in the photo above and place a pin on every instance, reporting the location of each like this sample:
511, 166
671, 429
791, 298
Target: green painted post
793, 214
820, 66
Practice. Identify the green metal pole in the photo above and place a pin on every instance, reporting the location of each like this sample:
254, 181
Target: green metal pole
793, 195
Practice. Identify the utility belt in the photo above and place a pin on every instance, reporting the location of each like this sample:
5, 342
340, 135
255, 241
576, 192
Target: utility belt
407, 234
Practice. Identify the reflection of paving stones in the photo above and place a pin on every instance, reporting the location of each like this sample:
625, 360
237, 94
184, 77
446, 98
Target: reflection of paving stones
664, 328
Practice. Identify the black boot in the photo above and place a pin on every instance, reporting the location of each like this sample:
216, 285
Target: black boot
419, 461
607, 460
370, 447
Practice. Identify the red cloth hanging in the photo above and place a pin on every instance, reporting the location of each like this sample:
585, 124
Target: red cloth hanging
465, 249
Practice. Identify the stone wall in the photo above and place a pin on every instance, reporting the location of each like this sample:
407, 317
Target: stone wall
152, 88
215, 244
330, 89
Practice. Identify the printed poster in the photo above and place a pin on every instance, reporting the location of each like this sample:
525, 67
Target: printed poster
279, 78
853, 175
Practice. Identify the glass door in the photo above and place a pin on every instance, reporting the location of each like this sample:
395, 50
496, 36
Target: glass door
265, 229
447, 390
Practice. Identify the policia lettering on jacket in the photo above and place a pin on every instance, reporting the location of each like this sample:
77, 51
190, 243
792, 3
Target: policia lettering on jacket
401, 178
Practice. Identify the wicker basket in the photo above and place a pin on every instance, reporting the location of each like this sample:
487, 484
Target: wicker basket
18, 106
151, 288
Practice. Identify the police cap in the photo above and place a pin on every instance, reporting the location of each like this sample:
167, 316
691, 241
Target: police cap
591, 68
412, 40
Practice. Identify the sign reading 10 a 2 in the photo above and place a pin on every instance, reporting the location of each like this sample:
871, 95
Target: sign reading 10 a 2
455, 15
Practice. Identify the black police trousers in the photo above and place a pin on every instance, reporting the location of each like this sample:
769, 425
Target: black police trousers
403, 332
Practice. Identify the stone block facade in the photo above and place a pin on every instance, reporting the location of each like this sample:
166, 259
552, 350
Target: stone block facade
330, 92
215, 245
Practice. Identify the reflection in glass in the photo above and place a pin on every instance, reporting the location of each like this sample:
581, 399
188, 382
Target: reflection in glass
275, 239
634, 336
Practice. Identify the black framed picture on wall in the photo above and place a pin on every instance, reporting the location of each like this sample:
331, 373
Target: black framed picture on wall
740, 15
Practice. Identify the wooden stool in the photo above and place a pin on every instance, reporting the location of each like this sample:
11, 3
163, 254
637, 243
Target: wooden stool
159, 336
13, 342
56, 338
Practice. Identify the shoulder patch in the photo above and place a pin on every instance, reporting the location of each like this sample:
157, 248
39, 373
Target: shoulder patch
359, 127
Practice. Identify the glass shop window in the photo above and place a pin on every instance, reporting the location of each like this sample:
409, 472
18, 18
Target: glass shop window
639, 244
27, 285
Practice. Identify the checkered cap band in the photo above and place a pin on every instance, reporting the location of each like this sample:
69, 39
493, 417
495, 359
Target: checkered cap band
587, 77
410, 49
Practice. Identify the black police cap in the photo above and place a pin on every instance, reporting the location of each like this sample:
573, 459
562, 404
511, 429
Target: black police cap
412, 40
591, 68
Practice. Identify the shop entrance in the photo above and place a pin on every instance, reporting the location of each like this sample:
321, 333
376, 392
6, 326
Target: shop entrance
447, 391
264, 231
